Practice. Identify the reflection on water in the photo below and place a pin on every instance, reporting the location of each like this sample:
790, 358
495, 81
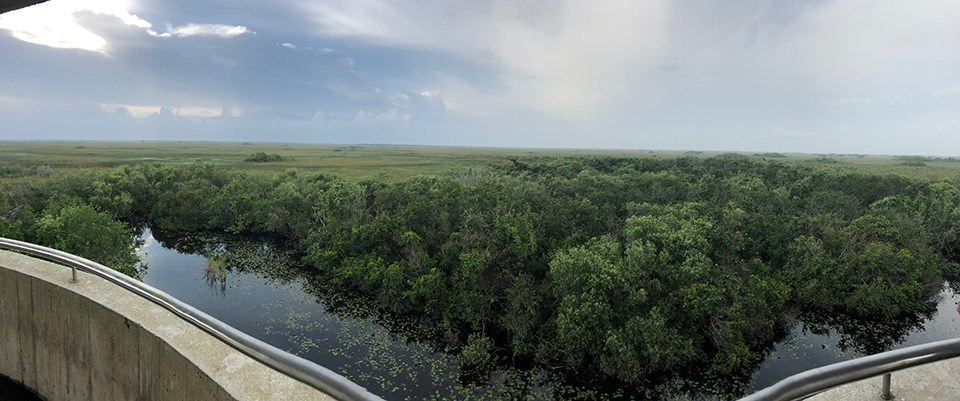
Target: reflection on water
215, 274
259, 288
816, 341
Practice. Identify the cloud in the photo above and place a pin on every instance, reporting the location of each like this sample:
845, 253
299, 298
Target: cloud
139, 112
57, 24
198, 112
131, 110
220, 30
569, 60
12, 101
860, 102
53, 23
864, 44
621, 73
322, 50
950, 90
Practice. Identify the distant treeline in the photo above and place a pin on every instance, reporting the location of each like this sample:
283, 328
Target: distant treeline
626, 267
262, 157
924, 159
771, 154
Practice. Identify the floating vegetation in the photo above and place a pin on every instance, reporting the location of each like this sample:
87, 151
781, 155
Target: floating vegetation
404, 356
866, 336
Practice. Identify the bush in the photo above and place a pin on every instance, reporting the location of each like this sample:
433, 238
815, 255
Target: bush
261, 157
83, 231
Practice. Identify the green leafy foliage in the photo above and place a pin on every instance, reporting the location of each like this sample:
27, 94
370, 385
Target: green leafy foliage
629, 267
83, 231
262, 157
868, 266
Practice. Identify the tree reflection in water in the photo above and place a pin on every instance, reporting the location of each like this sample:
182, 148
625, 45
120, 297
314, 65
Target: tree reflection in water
226, 253
867, 336
508, 378
215, 273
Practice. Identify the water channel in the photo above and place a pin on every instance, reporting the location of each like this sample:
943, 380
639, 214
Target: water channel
258, 288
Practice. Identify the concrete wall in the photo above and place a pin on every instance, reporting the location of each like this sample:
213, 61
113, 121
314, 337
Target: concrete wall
94, 341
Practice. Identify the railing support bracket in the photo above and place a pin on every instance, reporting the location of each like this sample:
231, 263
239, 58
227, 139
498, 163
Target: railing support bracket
885, 391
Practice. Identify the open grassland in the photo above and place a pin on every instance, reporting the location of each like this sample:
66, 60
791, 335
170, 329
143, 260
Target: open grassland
343, 160
392, 161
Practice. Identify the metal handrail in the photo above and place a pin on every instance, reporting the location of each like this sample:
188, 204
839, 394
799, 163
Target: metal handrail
818, 380
310, 373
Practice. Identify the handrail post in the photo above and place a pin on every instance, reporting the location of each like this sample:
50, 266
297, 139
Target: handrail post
885, 391
73, 270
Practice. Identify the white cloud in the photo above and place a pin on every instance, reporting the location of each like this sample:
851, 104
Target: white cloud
53, 23
140, 111
133, 110
201, 112
223, 31
570, 59
891, 43
231, 112
322, 50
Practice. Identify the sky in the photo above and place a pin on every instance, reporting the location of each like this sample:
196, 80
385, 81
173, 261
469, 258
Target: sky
814, 76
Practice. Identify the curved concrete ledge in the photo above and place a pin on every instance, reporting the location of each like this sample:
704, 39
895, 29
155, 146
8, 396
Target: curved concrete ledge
95, 341
931, 382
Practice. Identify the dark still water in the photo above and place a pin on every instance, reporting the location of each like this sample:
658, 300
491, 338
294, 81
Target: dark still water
257, 287
812, 342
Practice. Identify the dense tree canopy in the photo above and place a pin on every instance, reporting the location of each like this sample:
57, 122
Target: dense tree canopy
629, 267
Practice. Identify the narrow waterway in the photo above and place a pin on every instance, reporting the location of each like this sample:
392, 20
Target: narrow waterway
259, 289
271, 300
805, 349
